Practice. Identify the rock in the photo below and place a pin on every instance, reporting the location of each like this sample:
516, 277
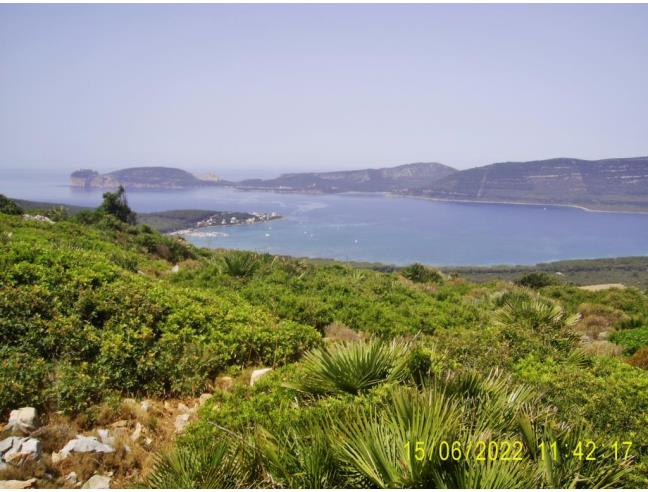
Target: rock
136, 433
175, 269
104, 437
18, 450
82, 444
145, 406
181, 422
24, 420
6, 444
203, 398
97, 482
38, 218
183, 408
119, 423
148, 441
258, 374
224, 383
168, 406
72, 478
17, 484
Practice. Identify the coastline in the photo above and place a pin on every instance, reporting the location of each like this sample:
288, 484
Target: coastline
532, 204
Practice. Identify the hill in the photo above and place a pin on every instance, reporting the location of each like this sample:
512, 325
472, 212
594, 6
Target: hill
112, 330
364, 180
139, 178
608, 184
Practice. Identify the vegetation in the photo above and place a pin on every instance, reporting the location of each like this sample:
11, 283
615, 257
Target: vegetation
115, 204
373, 370
9, 207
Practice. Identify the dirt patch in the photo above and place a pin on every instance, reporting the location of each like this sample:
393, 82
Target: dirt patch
597, 287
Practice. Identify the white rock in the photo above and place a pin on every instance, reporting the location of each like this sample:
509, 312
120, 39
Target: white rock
22, 449
137, 432
6, 444
72, 477
259, 373
175, 269
145, 405
97, 482
83, 444
183, 408
181, 422
38, 218
23, 420
104, 437
148, 441
17, 484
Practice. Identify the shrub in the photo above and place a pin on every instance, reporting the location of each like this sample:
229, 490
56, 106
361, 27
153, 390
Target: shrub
421, 274
631, 340
202, 464
23, 377
240, 264
9, 207
353, 367
116, 205
537, 280
640, 358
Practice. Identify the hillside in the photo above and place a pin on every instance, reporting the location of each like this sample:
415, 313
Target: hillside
139, 178
608, 184
365, 180
278, 372
164, 221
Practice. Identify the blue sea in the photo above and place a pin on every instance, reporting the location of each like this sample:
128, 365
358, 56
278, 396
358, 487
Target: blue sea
378, 228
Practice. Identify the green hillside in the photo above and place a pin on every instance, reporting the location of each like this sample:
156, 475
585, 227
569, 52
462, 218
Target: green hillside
607, 184
372, 371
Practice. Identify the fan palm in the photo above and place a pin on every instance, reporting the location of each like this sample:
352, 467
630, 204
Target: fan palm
353, 367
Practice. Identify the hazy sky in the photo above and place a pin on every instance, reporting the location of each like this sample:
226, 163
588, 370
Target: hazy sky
275, 88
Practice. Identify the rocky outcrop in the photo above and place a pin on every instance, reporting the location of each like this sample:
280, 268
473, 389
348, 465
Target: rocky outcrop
23, 420
83, 444
15, 451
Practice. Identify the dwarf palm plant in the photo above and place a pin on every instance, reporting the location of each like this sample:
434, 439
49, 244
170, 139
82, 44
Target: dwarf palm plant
353, 367
200, 464
240, 264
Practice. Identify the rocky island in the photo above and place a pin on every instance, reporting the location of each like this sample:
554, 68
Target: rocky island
152, 178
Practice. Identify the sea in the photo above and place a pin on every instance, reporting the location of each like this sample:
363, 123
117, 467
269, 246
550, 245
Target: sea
376, 227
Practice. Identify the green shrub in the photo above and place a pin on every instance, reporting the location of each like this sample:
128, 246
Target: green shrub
422, 274
537, 280
353, 367
240, 264
9, 207
631, 340
23, 378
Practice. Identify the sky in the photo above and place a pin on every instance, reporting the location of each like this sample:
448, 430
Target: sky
273, 88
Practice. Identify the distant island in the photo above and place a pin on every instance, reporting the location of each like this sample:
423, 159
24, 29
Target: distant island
601, 185
141, 178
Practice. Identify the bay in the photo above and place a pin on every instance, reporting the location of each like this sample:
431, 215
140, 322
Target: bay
378, 228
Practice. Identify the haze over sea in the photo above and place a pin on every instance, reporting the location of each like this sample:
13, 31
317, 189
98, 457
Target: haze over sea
377, 228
